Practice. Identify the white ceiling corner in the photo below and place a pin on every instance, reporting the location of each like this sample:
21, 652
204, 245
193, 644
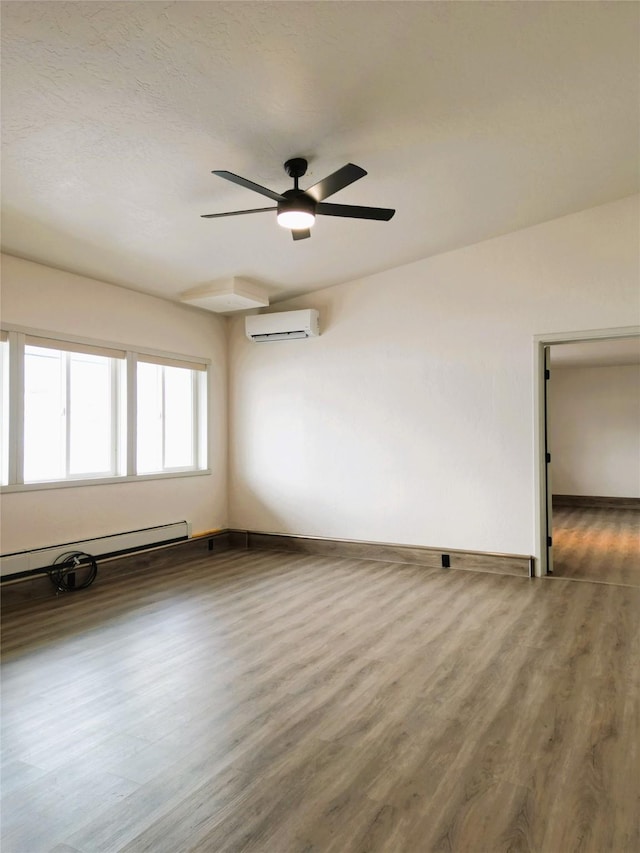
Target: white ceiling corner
472, 120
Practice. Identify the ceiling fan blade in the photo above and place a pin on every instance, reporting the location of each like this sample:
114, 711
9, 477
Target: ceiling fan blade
336, 181
355, 211
235, 212
300, 233
243, 182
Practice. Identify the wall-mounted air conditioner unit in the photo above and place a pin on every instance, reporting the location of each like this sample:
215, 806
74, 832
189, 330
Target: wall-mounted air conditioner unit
283, 326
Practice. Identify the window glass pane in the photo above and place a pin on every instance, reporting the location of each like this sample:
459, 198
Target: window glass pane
44, 415
149, 439
90, 406
60, 442
4, 412
178, 417
75, 414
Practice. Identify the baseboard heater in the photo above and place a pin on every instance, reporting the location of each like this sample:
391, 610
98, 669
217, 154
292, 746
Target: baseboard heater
23, 564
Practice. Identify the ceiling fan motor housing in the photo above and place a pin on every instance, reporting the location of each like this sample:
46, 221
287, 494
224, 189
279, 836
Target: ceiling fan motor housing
297, 200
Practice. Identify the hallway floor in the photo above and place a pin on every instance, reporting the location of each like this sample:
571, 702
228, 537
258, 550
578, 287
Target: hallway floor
597, 544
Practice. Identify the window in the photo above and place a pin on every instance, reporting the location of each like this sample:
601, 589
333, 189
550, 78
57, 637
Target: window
71, 406
65, 416
167, 415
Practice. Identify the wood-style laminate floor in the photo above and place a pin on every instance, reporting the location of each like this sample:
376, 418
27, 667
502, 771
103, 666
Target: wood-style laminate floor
282, 703
597, 544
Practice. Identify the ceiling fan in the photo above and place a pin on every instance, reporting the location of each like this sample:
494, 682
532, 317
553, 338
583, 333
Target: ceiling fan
297, 209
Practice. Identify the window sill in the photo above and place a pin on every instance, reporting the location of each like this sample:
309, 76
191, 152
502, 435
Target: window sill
101, 481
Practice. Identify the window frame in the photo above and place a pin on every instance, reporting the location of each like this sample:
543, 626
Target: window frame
124, 424
116, 377
197, 413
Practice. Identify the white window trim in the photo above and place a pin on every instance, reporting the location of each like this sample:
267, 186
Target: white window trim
202, 427
96, 343
198, 451
102, 481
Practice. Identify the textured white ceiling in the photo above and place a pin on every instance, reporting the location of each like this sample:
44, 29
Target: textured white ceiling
472, 119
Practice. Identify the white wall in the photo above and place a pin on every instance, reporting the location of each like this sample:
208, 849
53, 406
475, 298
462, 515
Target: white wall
43, 298
594, 430
410, 419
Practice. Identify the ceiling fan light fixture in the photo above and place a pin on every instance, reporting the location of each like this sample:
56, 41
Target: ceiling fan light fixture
296, 210
296, 219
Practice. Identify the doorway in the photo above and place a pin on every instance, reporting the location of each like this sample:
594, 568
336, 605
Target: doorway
566, 348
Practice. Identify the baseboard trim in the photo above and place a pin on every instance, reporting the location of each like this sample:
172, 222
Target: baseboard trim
474, 561
26, 589
596, 501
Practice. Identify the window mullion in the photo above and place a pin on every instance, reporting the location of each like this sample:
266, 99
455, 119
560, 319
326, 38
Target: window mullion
66, 395
16, 408
132, 414
163, 419
204, 425
195, 415
114, 410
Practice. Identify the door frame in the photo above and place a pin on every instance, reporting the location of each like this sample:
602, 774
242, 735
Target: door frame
540, 343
